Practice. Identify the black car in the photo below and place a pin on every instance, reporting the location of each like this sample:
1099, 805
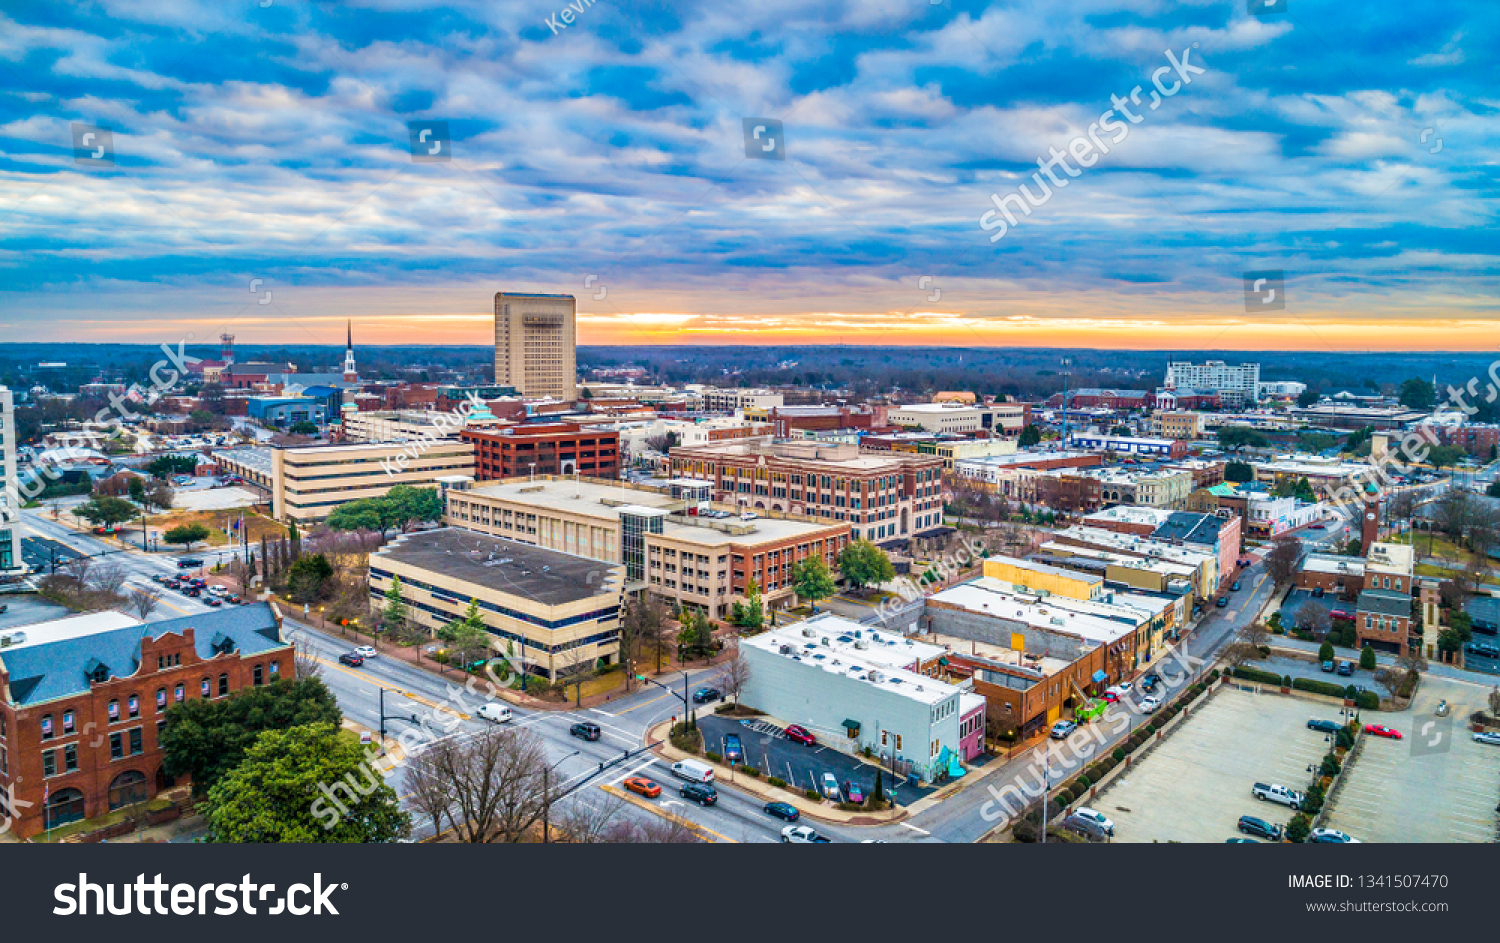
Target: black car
1260, 828
704, 695
783, 810
585, 730
700, 793
1236, 587
351, 659
1223, 601
189, 564
1323, 726
1150, 682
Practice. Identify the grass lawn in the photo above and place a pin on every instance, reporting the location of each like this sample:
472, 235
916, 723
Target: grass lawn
215, 521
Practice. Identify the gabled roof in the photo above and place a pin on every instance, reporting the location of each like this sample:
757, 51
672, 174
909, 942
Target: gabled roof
46, 670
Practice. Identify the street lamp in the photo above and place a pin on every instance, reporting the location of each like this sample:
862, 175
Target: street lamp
547, 796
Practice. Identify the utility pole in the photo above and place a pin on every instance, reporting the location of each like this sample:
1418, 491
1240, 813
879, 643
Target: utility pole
1067, 373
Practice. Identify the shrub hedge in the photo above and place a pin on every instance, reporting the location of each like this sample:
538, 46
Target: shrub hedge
1367, 700
1255, 674
1319, 687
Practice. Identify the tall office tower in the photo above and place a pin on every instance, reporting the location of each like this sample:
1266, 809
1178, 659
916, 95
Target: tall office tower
10, 497
536, 344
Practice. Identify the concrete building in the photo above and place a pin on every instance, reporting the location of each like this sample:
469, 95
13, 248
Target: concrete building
1280, 389
536, 344
856, 687
952, 451
557, 612
11, 563
85, 700
690, 559
286, 410
1233, 383
1143, 562
1326, 475
1159, 488
1211, 533
881, 497
954, 418
1127, 445
552, 448
1353, 417
308, 482
732, 400
1176, 424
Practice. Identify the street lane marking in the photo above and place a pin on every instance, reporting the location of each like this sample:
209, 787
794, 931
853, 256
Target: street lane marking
694, 827
919, 831
598, 711
644, 704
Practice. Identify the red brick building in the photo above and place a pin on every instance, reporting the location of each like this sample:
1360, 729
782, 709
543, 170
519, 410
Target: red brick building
554, 448
85, 701
1476, 439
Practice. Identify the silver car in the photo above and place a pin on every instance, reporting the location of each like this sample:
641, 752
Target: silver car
1488, 736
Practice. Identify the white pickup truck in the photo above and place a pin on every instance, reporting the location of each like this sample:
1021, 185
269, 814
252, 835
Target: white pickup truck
1275, 793
802, 835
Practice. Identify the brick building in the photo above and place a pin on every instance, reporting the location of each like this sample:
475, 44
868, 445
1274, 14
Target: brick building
86, 697
1382, 616
555, 448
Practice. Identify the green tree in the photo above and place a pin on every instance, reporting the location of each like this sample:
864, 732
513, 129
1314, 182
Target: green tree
1307, 397
1367, 658
105, 511
1493, 490
207, 737
1239, 437
1298, 828
1121, 430
165, 466
1031, 435
137, 490
1417, 393
395, 614
864, 564
403, 505
186, 534
308, 783
468, 636
1238, 472
303, 428
307, 577
1326, 652
1457, 633
811, 579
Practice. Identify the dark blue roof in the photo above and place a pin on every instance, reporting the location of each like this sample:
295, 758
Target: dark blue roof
1484, 610
1190, 527
50, 670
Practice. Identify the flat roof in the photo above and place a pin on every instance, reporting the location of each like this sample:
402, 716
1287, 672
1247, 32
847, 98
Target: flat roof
1133, 544
999, 655
1089, 621
1047, 568
549, 577
1330, 563
855, 650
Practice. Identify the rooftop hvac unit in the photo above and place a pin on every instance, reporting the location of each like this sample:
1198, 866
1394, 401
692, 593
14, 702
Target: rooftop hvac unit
808, 633
786, 649
12, 638
826, 642
876, 677
861, 644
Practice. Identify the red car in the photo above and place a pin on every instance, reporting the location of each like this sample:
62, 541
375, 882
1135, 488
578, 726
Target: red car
1112, 697
1315, 527
1339, 614
1381, 730
800, 735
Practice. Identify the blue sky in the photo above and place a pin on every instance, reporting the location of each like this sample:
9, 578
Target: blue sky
271, 143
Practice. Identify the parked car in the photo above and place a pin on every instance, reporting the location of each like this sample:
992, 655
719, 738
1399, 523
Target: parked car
1097, 820
1339, 614
800, 735
1328, 667
1330, 836
492, 712
704, 695
219, 590
1062, 729
1346, 669
586, 730
1381, 730
1251, 825
1488, 736
1241, 841
1149, 683
830, 788
366, 651
854, 793
1150, 705
1222, 602
642, 786
351, 659
701, 793
802, 835
1274, 792
1317, 527
1317, 592
783, 810
734, 751
213, 601
1235, 586
1323, 726
233, 598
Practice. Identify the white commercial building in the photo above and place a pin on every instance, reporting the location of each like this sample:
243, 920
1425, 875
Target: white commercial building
728, 400
10, 499
855, 687
938, 417
1243, 379
1282, 389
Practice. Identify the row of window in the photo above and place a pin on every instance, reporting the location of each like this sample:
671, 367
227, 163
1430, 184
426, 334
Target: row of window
447, 595
132, 709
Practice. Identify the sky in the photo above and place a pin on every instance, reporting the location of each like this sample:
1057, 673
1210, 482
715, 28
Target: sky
755, 173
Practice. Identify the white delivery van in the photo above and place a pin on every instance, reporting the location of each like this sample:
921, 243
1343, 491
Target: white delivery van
498, 713
693, 771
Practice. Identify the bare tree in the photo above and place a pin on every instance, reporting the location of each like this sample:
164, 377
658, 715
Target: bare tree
663, 831
577, 669
1248, 645
305, 661
1390, 679
108, 577
144, 601
1284, 559
648, 619
1311, 617
495, 781
1495, 701
593, 819
734, 674
427, 787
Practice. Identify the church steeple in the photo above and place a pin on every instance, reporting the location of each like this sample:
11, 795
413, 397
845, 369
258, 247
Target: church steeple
351, 374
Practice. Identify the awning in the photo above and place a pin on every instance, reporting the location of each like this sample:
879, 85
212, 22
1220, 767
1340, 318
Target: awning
851, 725
944, 661
1100, 677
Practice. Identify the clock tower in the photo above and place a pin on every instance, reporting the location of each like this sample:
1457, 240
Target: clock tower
1369, 530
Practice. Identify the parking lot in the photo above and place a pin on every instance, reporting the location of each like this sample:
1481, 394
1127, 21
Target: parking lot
1196, 784
802, 767
1435, 785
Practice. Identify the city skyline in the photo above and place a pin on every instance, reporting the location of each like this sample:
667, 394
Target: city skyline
275, 171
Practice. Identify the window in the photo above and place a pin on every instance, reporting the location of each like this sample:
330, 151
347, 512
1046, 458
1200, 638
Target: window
161, 698
114, 711
135, 742
46, 726
116, 746
67, 722
898, 741
179, 694
206, 688
161, 725
258, 676
70, 757
275, 669
49, 762
223, 685
133, 705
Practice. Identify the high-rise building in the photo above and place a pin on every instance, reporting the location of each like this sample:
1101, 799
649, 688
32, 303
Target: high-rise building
1239, 383
536, 344
10, 496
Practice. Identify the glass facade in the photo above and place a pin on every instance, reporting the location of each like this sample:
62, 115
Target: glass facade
635, 524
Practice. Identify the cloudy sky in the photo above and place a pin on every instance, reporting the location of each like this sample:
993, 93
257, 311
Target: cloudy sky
258, 175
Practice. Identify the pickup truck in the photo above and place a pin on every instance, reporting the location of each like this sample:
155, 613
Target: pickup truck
1275, 793
802, 835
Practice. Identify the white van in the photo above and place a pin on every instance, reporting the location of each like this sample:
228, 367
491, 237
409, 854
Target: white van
498, 713
693, 771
